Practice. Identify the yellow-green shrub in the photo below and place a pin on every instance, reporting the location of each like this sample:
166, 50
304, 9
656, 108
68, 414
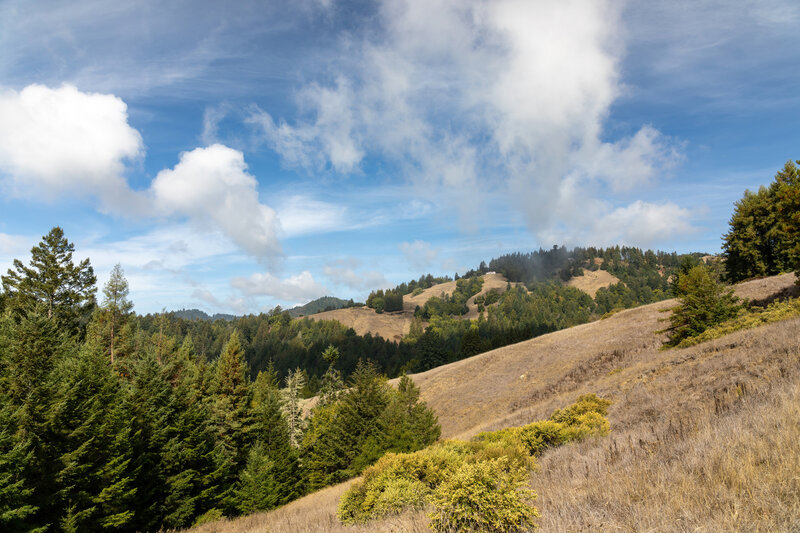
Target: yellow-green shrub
746, 320
476, 484
588, 403
486, 495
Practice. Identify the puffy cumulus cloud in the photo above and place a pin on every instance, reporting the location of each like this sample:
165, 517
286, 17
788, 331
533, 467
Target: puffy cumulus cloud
299, 288
467, 96
419, 254
56, 141
64, 141
346, 273
213, 183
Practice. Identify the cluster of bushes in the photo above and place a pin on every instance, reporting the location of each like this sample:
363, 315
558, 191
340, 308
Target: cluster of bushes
485, 300
390, 300
453, 304
477, 485
747, 319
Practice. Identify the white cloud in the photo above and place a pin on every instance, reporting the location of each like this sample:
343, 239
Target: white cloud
302, 215
642, 224
213, 183
346, 273
57, 141
299, 288
419, 254
471, 96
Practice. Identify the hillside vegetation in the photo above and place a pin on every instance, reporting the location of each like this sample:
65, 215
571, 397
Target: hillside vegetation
702, 437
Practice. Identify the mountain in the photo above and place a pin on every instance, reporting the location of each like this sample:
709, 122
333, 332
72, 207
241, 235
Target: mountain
197, 314
696, 433
325, 303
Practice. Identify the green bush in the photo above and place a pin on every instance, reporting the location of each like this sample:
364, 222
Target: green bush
476, 484
486, 495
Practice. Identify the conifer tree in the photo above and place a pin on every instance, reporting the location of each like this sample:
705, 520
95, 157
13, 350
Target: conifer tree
16, 511
270, 430
191, 474
259, 488
231, 415
95, 488
52, 285
332, 383
295, 381
704, 302
113, 315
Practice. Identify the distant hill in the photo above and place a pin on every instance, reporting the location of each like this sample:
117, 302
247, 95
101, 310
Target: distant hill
326, 303
197, 314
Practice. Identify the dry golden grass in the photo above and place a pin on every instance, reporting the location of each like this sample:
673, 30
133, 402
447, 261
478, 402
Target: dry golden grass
393, 326
592, 281
705, 438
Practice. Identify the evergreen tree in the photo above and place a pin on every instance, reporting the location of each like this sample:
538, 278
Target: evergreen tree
339, 431
52, 285
16, 511
193, 479
231, 415
270, 430
95, 488
295, 381
704, 303
788, 212
259, 486
332, 383
113, 315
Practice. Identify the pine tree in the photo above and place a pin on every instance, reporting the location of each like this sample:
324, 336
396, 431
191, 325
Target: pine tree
704, 302
788, 212
16, 511
52, 285
295, 381
95, 487
332, 383
271, 430
339, 431
113, 315
191, 474
259, 487
231, 416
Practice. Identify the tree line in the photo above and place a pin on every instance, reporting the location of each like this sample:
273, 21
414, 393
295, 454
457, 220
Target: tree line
105, 426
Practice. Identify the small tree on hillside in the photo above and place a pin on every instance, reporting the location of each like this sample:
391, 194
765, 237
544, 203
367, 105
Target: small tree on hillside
704, 302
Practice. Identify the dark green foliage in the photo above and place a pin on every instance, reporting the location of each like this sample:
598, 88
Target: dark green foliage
389, 301
763, 236
455, 303
704, 303
52, 285
368, 420
95, 489
325, 303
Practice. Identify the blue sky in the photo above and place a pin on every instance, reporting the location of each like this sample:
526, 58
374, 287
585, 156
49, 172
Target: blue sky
236, 156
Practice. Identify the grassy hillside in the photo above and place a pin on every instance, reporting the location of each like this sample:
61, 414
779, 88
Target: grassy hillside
702, 438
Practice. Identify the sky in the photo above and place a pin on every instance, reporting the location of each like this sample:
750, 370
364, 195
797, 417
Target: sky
235, 156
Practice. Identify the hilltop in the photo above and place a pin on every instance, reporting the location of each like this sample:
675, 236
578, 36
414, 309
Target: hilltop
395, 325
702, 438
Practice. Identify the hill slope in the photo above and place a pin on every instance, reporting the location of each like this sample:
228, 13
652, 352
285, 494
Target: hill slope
703, 438
393, 326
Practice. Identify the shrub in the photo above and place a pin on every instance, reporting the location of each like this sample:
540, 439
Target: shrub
704, 303
484, 496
